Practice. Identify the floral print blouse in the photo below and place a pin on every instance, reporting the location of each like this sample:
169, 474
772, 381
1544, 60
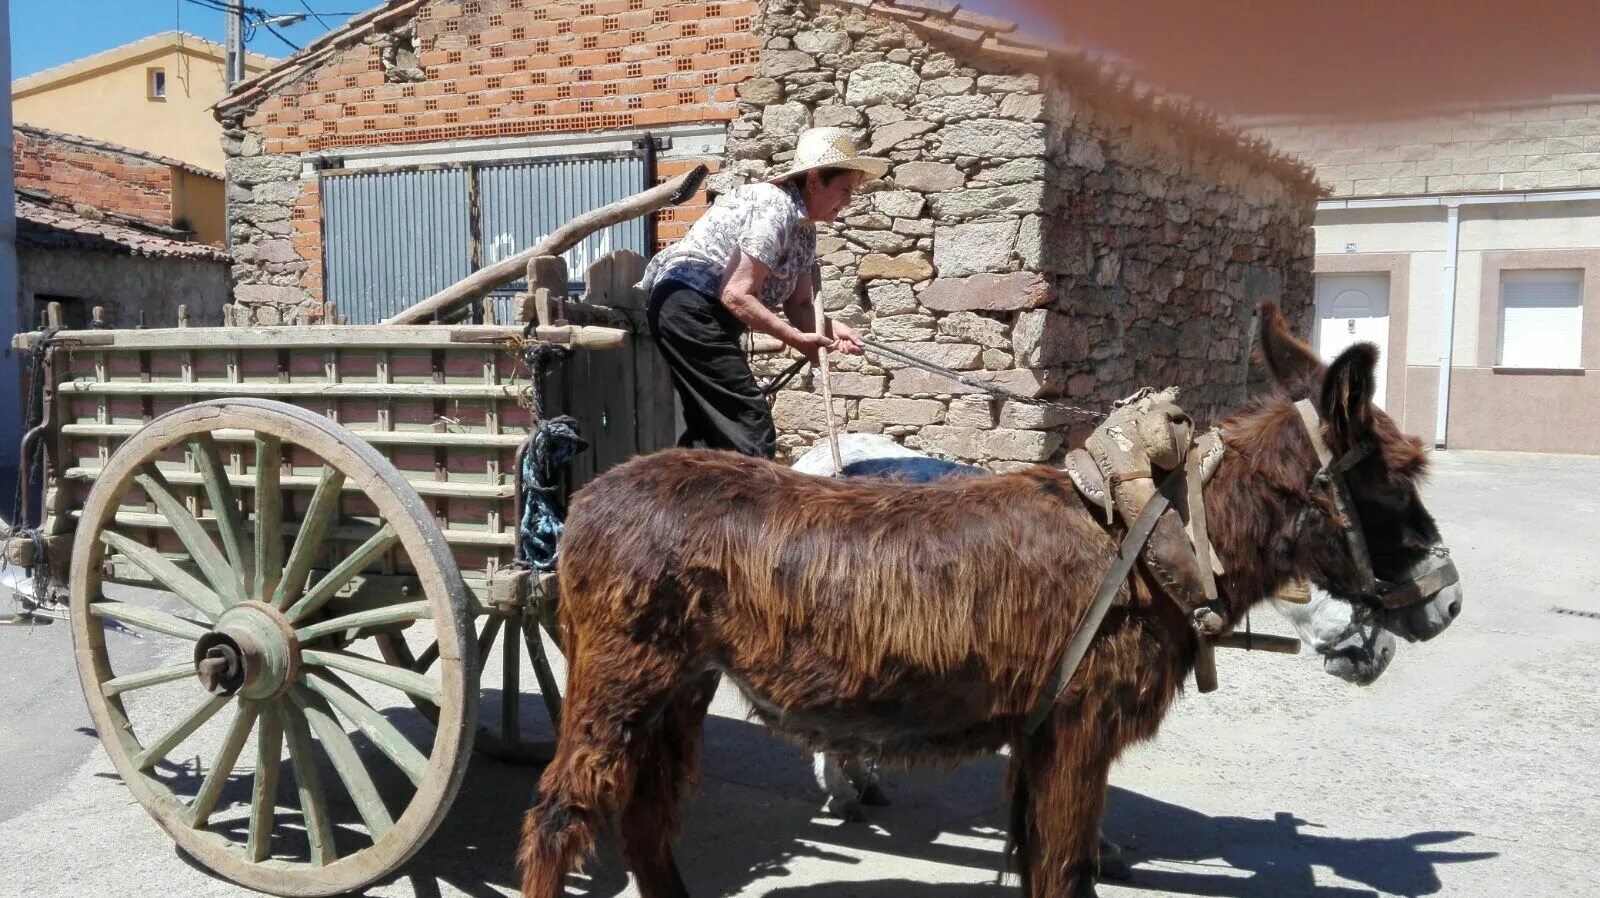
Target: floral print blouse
764, 221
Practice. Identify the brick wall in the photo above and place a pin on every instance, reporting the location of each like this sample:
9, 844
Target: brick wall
479, 70
1547, 146
98, 177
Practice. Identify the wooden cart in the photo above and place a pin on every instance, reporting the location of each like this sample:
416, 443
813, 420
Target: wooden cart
292, 557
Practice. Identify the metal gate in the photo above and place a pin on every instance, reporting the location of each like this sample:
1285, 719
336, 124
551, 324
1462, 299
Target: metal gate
396, 236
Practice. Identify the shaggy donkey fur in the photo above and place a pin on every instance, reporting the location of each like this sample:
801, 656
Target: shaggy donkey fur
920, 622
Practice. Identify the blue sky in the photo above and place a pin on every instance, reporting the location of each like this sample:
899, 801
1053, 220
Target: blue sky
46, 33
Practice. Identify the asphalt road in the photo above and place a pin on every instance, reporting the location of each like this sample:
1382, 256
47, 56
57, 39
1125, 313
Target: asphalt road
1467, 770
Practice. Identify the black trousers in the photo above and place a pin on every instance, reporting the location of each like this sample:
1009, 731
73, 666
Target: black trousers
722, 406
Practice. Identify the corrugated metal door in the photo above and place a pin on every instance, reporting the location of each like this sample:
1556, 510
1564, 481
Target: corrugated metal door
522, 203
393, 238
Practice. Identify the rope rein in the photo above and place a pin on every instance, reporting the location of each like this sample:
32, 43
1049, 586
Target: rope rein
31, 457
993, 389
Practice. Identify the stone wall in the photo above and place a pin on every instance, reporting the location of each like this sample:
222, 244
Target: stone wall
126, 286
1526, 147
1041, 231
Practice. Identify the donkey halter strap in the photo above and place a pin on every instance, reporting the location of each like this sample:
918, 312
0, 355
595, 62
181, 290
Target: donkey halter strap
1390, 595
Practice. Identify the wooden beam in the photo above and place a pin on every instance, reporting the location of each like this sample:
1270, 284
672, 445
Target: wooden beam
356, 337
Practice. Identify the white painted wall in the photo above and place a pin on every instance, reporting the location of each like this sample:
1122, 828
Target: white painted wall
1420, 231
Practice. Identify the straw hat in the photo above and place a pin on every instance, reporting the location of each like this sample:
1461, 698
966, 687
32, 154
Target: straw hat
830, 148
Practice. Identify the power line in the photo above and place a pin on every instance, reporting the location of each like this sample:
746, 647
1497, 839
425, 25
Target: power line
316, 15
279, 35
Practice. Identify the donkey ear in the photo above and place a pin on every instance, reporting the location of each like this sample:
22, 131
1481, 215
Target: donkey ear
1347, 393
1292, 363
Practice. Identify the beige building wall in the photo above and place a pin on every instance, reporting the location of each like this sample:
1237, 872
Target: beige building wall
200, 203
1491, 407
1539, 164
107, 97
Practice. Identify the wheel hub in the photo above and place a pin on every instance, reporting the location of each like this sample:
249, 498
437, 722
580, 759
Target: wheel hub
252, 653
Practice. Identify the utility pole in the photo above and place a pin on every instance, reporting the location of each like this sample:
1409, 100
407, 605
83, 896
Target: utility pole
234, 65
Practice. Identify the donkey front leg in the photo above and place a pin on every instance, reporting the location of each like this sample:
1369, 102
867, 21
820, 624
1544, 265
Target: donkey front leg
1060, 781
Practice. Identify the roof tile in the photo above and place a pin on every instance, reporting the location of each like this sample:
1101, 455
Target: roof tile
46, 225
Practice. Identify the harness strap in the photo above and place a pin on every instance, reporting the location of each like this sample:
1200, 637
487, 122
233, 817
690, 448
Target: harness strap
1110, 585
1441, 577
1333, 472
1194, 511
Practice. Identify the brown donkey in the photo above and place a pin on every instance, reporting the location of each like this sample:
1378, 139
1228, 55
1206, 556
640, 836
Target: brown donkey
921, 623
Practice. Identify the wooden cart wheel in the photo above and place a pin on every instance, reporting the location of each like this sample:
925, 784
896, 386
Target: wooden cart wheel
512, 642
273, 656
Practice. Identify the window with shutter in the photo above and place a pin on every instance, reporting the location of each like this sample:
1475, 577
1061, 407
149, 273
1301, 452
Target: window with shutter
1541, 319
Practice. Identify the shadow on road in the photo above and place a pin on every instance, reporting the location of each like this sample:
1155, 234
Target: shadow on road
1235, 857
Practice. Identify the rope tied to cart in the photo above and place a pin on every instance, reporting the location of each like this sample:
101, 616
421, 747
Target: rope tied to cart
31, 458
549, 449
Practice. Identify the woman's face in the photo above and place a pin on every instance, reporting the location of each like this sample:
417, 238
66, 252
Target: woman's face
825, 199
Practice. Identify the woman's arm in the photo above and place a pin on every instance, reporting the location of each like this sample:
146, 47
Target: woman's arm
741, 293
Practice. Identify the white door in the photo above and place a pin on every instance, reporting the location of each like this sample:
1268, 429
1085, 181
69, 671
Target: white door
1353, 308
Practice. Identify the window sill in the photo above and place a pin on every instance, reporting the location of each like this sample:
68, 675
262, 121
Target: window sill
1559, 372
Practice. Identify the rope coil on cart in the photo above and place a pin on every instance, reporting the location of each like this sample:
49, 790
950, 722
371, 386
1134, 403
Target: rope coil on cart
550, 447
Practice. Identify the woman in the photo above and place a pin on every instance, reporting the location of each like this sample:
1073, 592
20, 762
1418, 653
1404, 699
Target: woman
748, 258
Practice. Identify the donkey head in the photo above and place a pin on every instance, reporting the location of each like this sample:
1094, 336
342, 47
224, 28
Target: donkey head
1361, 531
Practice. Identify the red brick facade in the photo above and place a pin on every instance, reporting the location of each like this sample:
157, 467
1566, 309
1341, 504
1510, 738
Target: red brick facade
424, 71
93, 175
506, 68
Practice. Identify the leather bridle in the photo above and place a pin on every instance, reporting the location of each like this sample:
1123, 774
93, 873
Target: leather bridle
1425, 581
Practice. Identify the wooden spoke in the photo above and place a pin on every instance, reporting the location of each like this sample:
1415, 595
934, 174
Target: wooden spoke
343, 573
320, 513
426, 659
389, 614
491, 629
346, 760
180, 731
308, 782
549, 687
193, 536
510, 697
205, 801
264, 791
226, 509
375, 671
156, 677
377, 728
269, 516
264, 549
149, 619
191, 590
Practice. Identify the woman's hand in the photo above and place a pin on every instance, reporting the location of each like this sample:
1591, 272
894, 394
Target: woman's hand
845, 338
810, 345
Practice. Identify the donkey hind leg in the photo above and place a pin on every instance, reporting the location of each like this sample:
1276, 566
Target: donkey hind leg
863, 773
669, 768
844, 796
1113, 866
612, 705
1060, 786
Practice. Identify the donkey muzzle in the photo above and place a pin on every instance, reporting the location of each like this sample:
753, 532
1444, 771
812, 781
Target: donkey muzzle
1427, 602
